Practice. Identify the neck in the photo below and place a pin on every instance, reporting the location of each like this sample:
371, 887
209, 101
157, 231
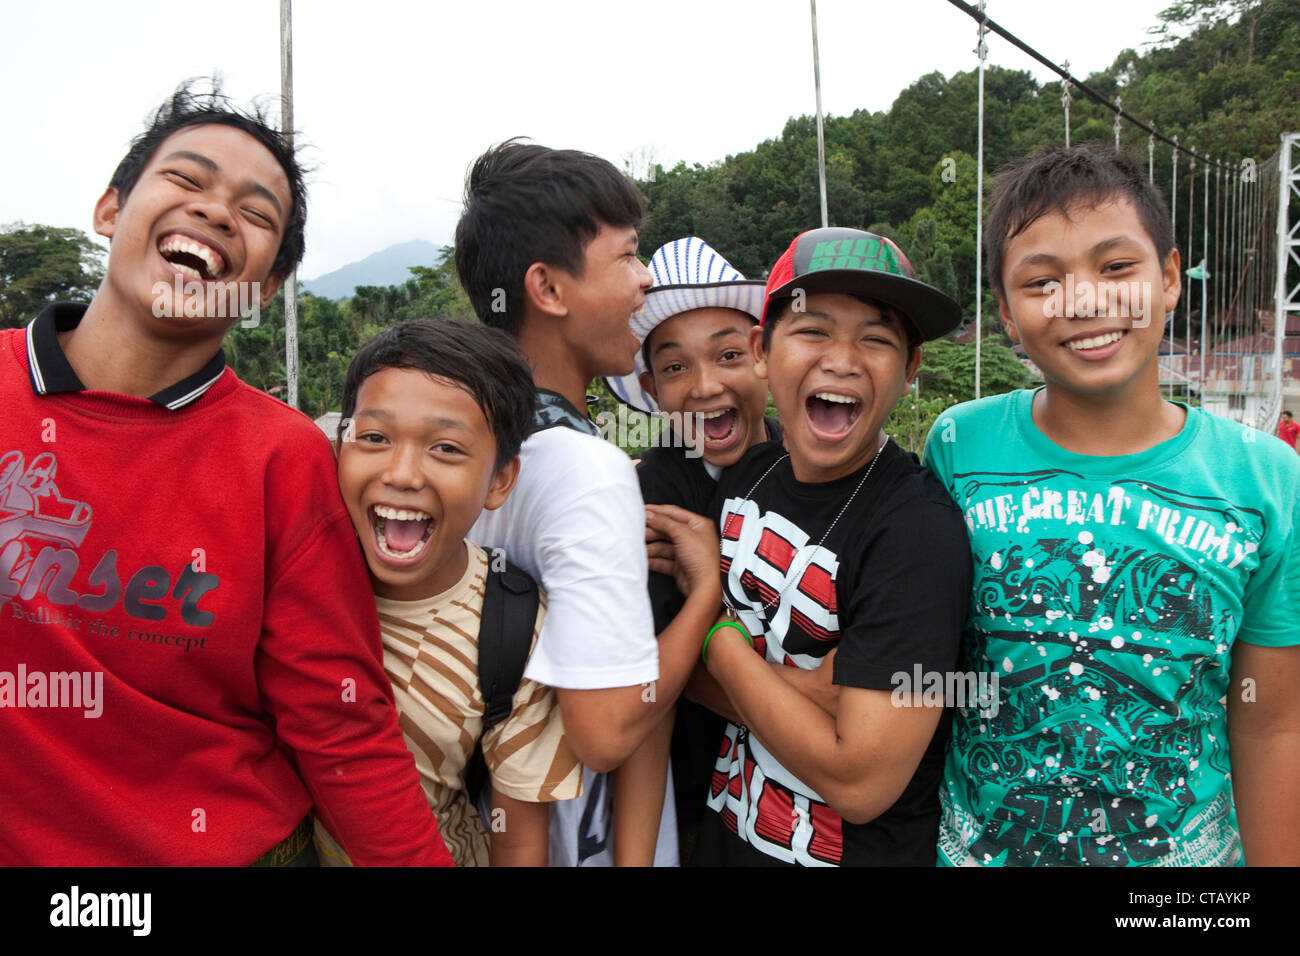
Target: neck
553, 365
111, 354
1123, 422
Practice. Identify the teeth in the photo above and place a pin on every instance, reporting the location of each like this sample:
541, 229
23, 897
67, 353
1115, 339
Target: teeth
383, 546
842, 399
401, 514
718, 414
186, 270
1094, 343
210, 257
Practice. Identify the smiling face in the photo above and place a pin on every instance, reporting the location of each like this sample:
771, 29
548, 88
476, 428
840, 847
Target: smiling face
422, 468
700, 364
1087, 296
210, 207
601, 301
836, 370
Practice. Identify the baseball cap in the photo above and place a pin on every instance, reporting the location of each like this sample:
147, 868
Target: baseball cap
836, 259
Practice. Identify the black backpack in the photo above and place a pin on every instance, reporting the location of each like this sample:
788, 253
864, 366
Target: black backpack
505, 636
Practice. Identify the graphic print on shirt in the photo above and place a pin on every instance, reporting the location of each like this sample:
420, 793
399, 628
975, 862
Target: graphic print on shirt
40, 533
758, 799
1101, 607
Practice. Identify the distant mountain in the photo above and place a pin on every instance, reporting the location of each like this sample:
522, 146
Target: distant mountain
386, 267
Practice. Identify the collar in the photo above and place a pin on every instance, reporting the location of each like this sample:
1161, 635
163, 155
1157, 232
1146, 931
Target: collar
51, 373
553, 409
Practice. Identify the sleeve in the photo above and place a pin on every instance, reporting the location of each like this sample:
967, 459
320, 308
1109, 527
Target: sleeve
319, 669
527, 754
1271, 603
599, 631
938, 444
657, 487
910, 596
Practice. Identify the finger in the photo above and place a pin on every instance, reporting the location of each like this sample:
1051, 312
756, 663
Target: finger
672, 512
663, 566
661, 550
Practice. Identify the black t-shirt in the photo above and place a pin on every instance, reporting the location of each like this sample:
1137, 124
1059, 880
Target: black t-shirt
669, 477
889, 587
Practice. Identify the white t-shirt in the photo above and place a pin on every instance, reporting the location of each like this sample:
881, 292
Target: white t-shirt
576, 522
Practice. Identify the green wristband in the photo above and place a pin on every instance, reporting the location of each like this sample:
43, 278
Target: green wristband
736, 624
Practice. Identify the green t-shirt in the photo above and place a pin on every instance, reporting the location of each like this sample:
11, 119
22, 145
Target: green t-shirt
1108, 595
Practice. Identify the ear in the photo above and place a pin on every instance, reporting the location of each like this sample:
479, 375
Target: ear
106, 210
913, 366
648, 383
503, 482
541, 291
269, 287
1008, 323
1172, 274
756, 350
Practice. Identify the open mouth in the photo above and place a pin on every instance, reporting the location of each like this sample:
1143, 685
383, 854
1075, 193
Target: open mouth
719, 426
192, 258
400, 533
831, 415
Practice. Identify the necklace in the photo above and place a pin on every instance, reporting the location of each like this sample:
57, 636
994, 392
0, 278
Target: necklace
795, 576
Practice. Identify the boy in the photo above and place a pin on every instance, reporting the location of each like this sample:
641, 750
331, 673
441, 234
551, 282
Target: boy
1287, 429
694, 363
838, 540
546, 250
1135, 563
194, 564
433, 416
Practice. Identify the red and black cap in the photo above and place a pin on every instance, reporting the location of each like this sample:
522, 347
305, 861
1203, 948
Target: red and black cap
861, 263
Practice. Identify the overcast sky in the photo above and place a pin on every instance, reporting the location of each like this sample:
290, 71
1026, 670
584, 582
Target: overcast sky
395, 99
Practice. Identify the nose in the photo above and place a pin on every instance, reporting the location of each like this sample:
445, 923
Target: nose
403, 467
214, 212
841, 357
647, 280
704, 382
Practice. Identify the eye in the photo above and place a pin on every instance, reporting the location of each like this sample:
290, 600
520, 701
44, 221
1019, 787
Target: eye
731, 355
189, 181
372, 438
443, 448
1040, 283
812, 331
1118, 266
672, 368
261, 217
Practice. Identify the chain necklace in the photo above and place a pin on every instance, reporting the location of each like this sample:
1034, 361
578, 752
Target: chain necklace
793, 577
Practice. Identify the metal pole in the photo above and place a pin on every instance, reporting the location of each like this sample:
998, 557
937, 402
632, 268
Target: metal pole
1151, 156
1173, 213
291, 280
821, 136
1285, 173
1065, 100
982, 51
1119, 105
1205, 266
1191, 238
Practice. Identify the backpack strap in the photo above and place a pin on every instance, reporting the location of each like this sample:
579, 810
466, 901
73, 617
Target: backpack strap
505, 637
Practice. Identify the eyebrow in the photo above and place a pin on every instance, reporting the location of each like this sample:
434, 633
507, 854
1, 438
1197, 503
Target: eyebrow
208, 164
882, 322
721, 333
1046, 258
437, 421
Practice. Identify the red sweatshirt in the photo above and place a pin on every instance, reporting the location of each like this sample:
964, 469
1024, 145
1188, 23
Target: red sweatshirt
189, 649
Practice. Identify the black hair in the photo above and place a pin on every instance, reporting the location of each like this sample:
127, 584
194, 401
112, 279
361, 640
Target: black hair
1059, 179
1287, 413
485, 362
188, 108
779, 308
526, 203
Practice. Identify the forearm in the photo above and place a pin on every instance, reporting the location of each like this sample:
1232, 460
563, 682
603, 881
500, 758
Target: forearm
638, 788
518, 831
1266, 791
803, 736
605, 726
705, 690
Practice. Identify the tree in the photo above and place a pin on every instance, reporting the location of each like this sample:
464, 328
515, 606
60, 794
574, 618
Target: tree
44, 264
